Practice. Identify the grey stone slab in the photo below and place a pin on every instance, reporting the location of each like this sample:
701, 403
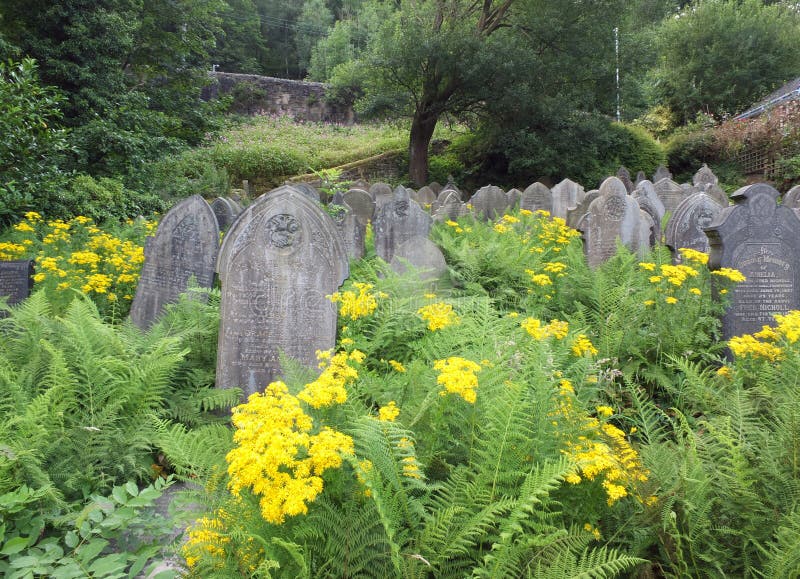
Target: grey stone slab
686, 227
762, 240
670, 193
792, 198
537, 197
308, 190
16, 281
397, 222
276, 265
489, 203
640, 176
513, 197
704, 177
436, 188
661, 173
423, 255
378, 189
614, 216
649, 201
574, 216
352, 229
566, 195
361, 203
425, 196
625, 176
450, 209
718, 194
185, 246
226, 211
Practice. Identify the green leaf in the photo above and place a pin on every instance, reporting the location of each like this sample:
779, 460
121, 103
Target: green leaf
71, 539
119, 494
26, 561
114, 563
131, 487
91, 549
14, 545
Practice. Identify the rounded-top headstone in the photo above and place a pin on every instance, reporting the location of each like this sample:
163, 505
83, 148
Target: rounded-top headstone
423, 255
361, 203
378, 189
308, 190
686, 227
625, 176
792, 197
661, 173
397, 221
670, 193
614, 216
425, 196
436, 188
537, 197
489, 202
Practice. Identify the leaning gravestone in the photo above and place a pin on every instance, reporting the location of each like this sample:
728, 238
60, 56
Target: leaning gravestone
792, 198
226, 211
513, 196
489, 203
276, 265
185, 246
423, 255
537, 197
614, 216
16, 281
574, 216
670, 193
625, 176
648, 200
686, 227
397, 222
762, 240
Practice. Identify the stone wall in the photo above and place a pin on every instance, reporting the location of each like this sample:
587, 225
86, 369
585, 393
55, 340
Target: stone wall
253, 94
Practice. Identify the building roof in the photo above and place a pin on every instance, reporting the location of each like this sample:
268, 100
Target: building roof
788, 92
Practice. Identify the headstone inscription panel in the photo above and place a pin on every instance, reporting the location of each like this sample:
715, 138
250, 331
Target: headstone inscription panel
185, 246
16, 281
762, 240
276, 265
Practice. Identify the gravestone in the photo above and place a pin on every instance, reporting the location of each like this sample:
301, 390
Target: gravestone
16, 281
718, 194
397, 222
308, 190
762, 240
361, 203
704, 178
537, 197
436, 188
337, 198
613, 217
645, 235
423, 255
185, 246
276, 265
625, 176
425, 196
225, 211
512, 197
575, 215
640, 176
792, 198
451, 208
648, 200
686, 227
380, 188
352, 230
670, 193
661, 173
489, 203
566, 195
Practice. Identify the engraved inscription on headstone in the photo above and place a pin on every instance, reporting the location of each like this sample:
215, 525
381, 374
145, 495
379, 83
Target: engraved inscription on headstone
670, 193
451, 208
422, 254
614, 216
762, 240
276, 265
16, 281
489, 203
184, 246
686, 227
537, 197
352, 230
397, 222
566, 195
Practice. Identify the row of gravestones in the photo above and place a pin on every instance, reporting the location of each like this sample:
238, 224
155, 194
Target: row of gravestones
284, 254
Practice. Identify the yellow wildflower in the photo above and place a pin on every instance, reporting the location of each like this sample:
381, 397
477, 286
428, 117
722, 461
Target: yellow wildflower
732, 274
582, 346
398, 367
457, 376
693, 255
439, 315
389, 412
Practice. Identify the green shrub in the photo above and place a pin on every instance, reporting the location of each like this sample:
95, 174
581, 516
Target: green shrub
104, 200
687, 151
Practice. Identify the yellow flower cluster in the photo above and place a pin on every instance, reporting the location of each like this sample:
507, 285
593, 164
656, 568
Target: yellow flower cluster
540, 279
272, 434
330, 387
749, 346
582, 345
556, 328
389, 412
789, 325
457, 376
555, 232
439, 315
398, 367
207, 539
410, 463
357, 305
732, 274
693, 255
456, 227
758, 345
599, 449
10, 251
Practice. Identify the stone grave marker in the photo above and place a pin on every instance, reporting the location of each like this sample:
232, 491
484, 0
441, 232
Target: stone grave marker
380, 188
451, 208
436, 188
185, 246
640, 176
513, 197
762, 240
566, 195
308, 190
614, 216
352, 230
704, 177
361, 203
225, 210
423, 255
537, 197
646, 232
792, 198
575, 215
670, 193
397, 222
661, 173
16, 281
425, 196
489, 203
276, 265
686, 227
625, 176
648, 200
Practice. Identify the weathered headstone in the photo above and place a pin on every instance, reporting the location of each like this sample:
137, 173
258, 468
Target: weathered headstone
425, 196
718, 194
423, 255
575, 215
436, 188
648, 200
625, 176
661, 173
308, 190
686, 227
352, 229
792, 198
537, 197
704, 177
226, 211
640, 176
397, 222
670, 193
762, 240
380, 188
451, 208
645, 235
276, 265
513, 196
185, 246
16, 281
361, 203
613, 217
566, 195
489, 203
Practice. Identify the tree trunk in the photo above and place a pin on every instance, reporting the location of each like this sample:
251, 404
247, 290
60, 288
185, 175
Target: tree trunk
422, 127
